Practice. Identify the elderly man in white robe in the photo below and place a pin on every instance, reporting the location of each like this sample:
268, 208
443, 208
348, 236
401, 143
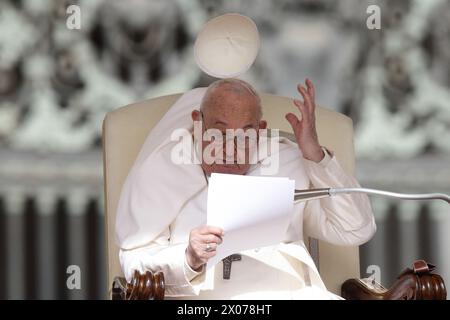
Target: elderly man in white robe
161, 219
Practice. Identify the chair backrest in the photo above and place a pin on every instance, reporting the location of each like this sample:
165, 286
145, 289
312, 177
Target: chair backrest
124, 132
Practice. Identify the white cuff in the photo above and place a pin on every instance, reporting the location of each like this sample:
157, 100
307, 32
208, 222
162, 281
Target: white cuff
327, 172
327, 158
328, 155
189, 273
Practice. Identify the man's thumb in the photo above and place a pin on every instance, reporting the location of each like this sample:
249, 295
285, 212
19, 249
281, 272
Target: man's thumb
292, 119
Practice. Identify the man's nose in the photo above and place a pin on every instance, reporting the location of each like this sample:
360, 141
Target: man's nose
230, 150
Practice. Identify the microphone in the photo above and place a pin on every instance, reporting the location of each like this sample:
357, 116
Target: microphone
312, 194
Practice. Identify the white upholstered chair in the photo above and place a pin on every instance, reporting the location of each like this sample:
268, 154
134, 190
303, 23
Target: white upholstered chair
125, 129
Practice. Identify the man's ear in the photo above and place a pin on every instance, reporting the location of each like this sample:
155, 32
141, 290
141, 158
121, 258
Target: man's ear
263, 124
196, 115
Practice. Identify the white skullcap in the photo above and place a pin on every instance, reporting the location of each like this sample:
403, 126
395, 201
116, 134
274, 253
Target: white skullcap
227, 45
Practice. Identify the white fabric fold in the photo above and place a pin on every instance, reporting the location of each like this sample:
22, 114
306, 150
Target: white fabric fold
150, 199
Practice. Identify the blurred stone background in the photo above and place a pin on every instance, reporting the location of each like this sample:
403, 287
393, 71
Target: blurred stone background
56, 84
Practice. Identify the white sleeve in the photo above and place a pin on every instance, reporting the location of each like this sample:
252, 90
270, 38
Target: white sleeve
342, 219
179, 278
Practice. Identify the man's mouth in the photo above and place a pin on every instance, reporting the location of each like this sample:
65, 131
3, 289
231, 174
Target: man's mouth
230, 164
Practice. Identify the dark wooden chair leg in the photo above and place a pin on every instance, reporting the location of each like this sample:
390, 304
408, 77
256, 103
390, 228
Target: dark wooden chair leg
148, 286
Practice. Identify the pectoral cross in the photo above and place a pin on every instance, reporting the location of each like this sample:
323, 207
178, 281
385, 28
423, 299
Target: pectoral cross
227, 264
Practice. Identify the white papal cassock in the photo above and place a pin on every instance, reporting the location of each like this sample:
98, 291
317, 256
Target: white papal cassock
161, 202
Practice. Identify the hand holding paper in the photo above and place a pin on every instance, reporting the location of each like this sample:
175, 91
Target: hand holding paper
253, 211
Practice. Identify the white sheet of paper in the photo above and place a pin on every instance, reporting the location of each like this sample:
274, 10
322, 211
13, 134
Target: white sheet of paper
253, 211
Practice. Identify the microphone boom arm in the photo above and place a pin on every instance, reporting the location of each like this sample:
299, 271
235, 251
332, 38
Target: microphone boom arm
312, 194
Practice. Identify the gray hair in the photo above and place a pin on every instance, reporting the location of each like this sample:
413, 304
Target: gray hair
237, 86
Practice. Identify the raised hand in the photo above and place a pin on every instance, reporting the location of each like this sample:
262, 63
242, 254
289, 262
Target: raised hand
305, 128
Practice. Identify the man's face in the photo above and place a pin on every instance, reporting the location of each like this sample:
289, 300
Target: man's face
230, 110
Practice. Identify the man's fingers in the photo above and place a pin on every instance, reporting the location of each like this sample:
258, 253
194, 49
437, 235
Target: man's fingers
214, 230
292, 119
311, 89
203, 256
294, 122
299, 104
211, 238
203, 250
307, 99
303, 109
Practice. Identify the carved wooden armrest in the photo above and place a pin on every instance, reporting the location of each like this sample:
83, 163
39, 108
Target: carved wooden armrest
418, 283
148, 286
